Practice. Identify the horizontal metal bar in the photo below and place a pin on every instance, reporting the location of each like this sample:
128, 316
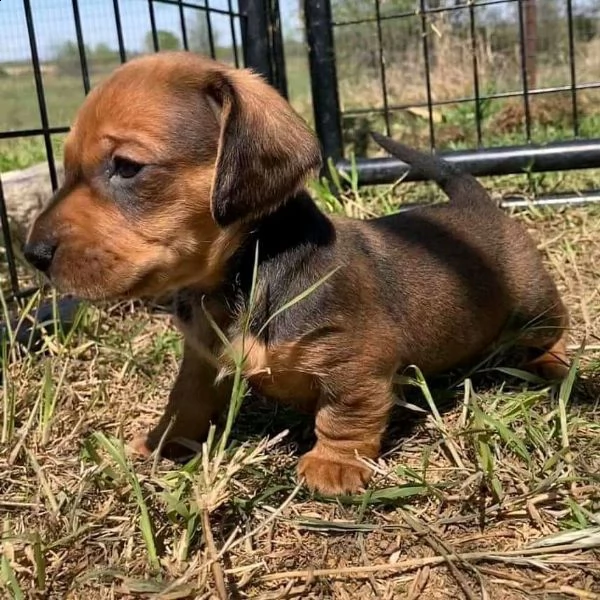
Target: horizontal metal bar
417, 13
499, 96
509, 160
7, 135
209, 9
553, 200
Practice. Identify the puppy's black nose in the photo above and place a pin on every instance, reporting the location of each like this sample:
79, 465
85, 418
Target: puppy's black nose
40, 254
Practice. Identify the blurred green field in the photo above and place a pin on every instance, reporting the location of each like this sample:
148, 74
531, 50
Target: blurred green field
19, 109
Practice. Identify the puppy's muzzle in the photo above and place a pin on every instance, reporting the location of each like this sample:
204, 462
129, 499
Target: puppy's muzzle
40, 253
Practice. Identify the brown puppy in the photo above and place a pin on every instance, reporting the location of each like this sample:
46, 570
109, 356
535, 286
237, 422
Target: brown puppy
176, 167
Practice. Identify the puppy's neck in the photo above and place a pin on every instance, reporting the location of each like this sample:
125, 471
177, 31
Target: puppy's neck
284, 239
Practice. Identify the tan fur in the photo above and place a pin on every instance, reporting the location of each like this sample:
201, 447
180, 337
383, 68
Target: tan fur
177, 243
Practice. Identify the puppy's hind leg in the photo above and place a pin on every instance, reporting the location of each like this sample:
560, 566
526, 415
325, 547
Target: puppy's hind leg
553, 364
544, 338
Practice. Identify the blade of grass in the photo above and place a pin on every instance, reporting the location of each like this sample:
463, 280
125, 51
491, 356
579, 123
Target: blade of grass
525, 376
483, 450
117, 453
50, 396
25, 430
240, 386
252, 297
9, 580
44, 484
383, 496
297, 299
39, 561
448, 442
9, 399
520, 556
564, 395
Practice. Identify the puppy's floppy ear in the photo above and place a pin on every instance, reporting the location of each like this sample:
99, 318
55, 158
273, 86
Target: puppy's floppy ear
266, 151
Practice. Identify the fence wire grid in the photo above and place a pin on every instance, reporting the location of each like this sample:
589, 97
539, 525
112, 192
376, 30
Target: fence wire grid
503, 85
55, 51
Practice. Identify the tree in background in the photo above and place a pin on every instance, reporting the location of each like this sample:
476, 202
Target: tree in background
167, 40
198, 34
497, 28
67, 58
103, 53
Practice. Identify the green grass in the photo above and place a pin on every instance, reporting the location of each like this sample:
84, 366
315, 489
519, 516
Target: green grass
19, 110
475, 479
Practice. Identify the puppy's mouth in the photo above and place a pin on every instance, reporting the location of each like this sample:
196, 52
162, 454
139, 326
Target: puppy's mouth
114, 286
100, 275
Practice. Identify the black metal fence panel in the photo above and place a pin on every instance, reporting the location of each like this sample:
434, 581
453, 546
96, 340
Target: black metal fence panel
460, 77
498, 86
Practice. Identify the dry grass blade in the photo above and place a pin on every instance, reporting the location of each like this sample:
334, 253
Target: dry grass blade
25, 431
421, 383
412, 564
45, 486
261, 526
216, 567
581, 538
418, 584
118, 455
442, 549
577, 593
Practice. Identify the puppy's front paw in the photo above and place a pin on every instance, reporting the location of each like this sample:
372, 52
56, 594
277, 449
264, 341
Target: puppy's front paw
171, 450
331, 474
139, 446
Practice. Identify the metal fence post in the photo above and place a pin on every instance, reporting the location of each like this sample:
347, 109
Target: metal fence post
323, 75
8, 248
262, 41
276, 47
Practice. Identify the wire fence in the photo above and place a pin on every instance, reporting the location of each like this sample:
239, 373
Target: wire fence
503, 85
55, 51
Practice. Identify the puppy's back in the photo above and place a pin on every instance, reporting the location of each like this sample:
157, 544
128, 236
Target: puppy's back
469, 246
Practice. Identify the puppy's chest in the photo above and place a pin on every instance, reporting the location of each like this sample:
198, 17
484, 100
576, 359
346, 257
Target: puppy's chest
281, 371
275, 371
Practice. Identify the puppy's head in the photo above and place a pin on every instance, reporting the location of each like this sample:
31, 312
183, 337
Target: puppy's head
166, 162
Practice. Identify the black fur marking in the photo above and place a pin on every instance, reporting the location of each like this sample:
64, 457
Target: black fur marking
183, 306
295, 249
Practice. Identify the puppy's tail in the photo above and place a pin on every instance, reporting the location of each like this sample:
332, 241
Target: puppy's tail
460, 187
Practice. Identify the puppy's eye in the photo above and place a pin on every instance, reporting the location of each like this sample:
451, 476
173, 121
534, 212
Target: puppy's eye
125, 168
